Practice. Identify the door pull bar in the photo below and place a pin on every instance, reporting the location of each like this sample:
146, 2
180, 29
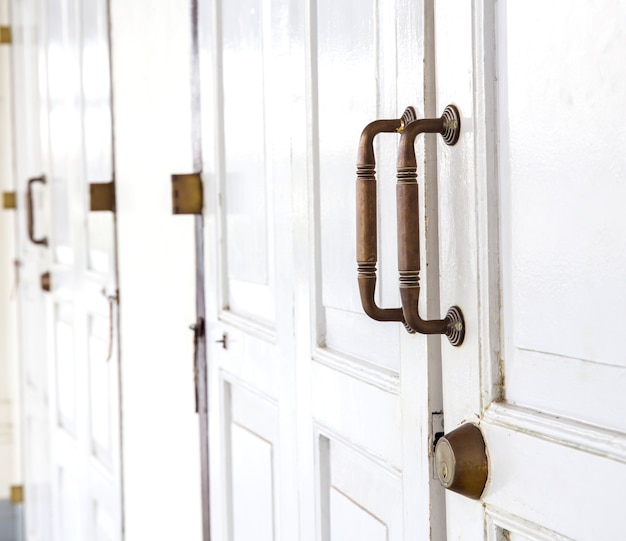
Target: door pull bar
407, 200
30, 211
366, 215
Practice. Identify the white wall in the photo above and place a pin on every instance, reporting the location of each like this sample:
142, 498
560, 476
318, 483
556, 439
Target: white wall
9, 412
151, 44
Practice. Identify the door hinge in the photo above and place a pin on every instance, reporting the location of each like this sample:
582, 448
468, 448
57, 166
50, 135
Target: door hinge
187, 197
102, 196
9, 200
5, 35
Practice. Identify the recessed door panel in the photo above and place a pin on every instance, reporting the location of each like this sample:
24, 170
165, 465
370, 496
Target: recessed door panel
350, 521
252, 486
69, 502
65, 368
562, 216
251, 432
355, 53
247, 183
104, 524
101, 382
362, 494
64, 124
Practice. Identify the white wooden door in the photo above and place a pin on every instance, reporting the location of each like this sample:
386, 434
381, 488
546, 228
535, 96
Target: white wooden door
68, 333
532, 249
32, 262
320, 418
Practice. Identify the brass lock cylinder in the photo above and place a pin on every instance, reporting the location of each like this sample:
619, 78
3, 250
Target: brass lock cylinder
461, 461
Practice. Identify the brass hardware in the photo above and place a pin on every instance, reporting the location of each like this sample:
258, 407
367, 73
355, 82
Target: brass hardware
102, 196
9, 200
17, 494
111, 299
187, 195
366, 219
461, 461
223, 341
198, 334
46, 282
407, 197
6, 36
30, 212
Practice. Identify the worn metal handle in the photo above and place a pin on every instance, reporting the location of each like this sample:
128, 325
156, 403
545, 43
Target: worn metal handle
31, 212
366, 215
407, 196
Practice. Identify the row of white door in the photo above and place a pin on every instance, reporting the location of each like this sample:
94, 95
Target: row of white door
321, 422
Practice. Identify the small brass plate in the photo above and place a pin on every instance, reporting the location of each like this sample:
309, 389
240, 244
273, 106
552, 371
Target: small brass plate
17, 494
187, 197
8, 200
5, 34
102, 196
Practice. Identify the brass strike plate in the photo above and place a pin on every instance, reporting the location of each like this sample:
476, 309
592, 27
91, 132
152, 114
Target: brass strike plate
102, 196
5, 34
187, 195
9, 200
17, 494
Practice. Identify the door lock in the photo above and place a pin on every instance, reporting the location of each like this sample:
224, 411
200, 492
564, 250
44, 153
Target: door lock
461, 461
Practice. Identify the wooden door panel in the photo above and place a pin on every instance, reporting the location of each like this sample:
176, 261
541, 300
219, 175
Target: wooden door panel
103, 524
65, 369
37, 477
362, 494
247, 184
544, 483
369, 416
354, 87
69, 500
252, 437
102, 394
562, 219
32, 317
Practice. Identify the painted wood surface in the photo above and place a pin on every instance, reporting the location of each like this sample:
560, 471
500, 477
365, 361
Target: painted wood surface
286, 90
68, 334
529, 216
151, 74
10, 434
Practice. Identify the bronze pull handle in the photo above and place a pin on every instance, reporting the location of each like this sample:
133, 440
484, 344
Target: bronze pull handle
366, 219
407, 194
31, 212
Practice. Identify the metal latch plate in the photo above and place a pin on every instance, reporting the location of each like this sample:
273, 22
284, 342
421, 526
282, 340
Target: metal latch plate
8, 200
187, 197
102, 196
5, 34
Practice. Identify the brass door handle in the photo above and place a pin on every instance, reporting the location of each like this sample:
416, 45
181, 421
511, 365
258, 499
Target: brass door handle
366, 215
407, 197
30, 211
